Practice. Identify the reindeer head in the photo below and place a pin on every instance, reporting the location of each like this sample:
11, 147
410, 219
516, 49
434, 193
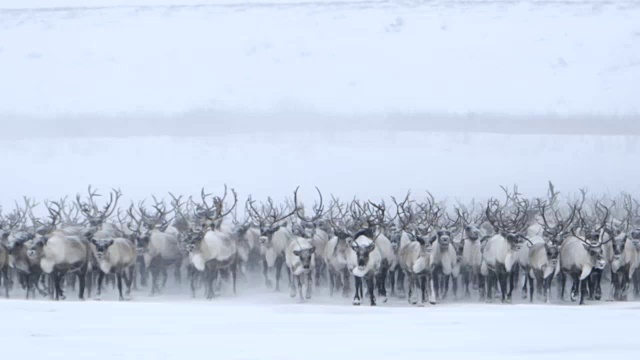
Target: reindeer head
553, 252
36, 249
443, 237
510, 222
362, 252
101, 246
212, 215
305, 255
193, 239
19, 240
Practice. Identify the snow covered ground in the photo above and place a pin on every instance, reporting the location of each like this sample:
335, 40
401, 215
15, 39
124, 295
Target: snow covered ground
256, 327
78, 61
367, 164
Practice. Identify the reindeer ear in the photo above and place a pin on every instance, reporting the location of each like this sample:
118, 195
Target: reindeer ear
433, 238
111, 242
354, 245
296, 252
371, 247
312, 250
421, 240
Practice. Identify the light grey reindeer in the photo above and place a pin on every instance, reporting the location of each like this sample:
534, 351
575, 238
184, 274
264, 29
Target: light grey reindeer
500, 253
543, 255
468, 244
275, 236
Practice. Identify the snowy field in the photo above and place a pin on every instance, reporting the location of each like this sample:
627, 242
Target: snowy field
275, 327
364, 164
99, 66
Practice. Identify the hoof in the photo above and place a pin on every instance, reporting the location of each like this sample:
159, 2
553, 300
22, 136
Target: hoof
384, 299
373, 304
293, 294
356, 302
432, 302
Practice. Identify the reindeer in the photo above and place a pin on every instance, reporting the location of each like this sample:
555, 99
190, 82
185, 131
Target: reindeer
543, 254
59, 253
275, 237
469, 250
580, 256
160, 249
98, 228
622, 253
500, 252
444, 258
213, 249
336, 251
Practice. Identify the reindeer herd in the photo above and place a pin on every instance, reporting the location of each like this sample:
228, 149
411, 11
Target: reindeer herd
413, 248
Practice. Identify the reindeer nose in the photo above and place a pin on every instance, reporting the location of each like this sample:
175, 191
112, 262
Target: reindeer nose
31, 253
100, 255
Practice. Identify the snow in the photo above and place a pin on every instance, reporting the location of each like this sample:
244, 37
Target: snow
261, 327
91, 58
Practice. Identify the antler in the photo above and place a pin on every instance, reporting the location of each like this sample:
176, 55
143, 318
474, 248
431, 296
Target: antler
317, 209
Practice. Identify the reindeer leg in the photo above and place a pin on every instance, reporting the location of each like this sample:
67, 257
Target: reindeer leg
298, 278
130, 279
119, 280
265, 272
234, 276
482, 287
309, 285
356, 298
177, 274
445, 285
575, 287
432, 293
381, 282
401, 276
100, 282
490, 284
464, 271
502, 277
332, 282
6, 281
371, 289
392, 282
411, 290
278, 264
526, 283
436, 280
583, 290
423, 288
346, 286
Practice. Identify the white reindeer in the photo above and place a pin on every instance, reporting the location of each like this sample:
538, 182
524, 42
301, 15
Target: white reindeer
115, 256
500, 252
300, 259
